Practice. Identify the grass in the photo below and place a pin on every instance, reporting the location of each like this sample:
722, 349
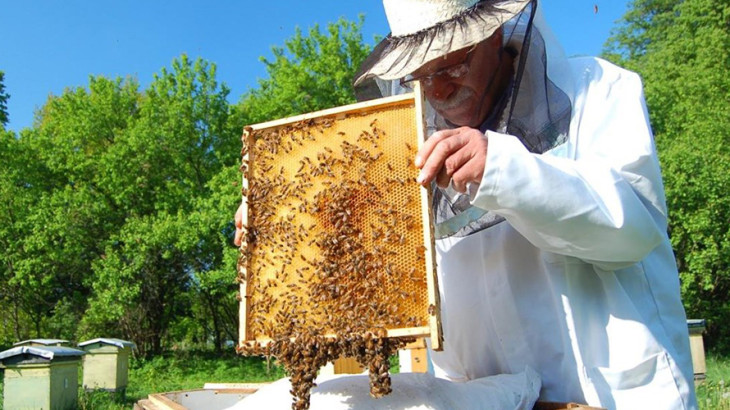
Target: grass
176, 371
714, 392
191, 370
181, 371
185, 371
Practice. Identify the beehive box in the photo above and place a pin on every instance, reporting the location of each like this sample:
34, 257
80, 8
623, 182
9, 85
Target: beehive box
697, 348
106, 363
40, 377
338, 237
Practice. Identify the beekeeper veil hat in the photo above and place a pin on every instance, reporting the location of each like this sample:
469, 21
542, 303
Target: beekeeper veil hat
424, 30
536, 106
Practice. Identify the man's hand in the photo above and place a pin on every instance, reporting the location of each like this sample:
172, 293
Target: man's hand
239, 225
457, 155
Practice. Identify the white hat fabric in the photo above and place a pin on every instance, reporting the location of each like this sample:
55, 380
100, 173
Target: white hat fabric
411, 16
424, 30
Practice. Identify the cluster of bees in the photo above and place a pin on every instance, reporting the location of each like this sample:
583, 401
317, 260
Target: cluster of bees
305, 354
333, 253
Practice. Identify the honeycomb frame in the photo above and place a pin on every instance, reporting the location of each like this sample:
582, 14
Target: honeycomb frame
306, 179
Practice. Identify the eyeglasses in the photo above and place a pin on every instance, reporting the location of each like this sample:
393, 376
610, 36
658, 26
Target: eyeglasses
451, 72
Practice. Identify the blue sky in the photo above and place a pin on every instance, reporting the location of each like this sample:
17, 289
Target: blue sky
47, 46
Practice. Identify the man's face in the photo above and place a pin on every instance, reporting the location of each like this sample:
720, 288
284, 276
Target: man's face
467, 99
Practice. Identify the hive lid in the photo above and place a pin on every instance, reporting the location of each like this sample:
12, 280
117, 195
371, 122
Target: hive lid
45, 342
109, 341
45, 352
695, 323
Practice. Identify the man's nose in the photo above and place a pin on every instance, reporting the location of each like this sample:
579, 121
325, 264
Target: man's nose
441, 88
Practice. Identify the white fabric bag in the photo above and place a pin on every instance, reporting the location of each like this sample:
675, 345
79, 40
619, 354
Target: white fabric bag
411, 391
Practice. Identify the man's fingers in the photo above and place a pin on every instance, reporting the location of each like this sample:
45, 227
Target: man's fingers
438, 156
452, 167
425, 151
459, 168
239, 236
238, 221
442, 178
469, 172
455, 157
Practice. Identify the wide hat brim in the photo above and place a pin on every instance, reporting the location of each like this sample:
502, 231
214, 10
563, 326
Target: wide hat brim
398, 56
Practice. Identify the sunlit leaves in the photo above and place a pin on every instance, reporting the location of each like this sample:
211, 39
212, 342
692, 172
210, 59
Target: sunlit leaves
311, 72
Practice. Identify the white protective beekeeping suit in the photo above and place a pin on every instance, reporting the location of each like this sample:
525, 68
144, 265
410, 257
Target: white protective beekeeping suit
560, 260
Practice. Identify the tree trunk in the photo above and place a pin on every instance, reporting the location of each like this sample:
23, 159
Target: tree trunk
216, 321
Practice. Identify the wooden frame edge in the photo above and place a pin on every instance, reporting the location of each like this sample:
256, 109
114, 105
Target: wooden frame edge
161, 401
417, 332
242, 270
434, 299
341, 110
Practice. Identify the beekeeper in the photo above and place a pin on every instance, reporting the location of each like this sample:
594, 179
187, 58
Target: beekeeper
550, 212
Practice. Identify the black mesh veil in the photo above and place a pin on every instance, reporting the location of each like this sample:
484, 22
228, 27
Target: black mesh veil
536, 108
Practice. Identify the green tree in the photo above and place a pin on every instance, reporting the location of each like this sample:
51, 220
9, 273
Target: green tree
682, 51
158, 170
215, 258
310, 73
17, 193
3, 101
57, 214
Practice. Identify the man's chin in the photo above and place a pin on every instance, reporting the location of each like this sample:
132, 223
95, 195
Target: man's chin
458, 117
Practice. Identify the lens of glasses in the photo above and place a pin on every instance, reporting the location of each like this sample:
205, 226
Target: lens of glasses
453, 72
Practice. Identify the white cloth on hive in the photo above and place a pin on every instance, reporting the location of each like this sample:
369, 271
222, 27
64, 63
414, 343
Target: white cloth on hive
411, 391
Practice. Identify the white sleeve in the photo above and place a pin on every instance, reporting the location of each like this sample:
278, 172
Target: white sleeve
606, 204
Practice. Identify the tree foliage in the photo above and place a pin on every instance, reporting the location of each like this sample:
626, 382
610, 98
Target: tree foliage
116, 206
3, 101
682, 51
310, 73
